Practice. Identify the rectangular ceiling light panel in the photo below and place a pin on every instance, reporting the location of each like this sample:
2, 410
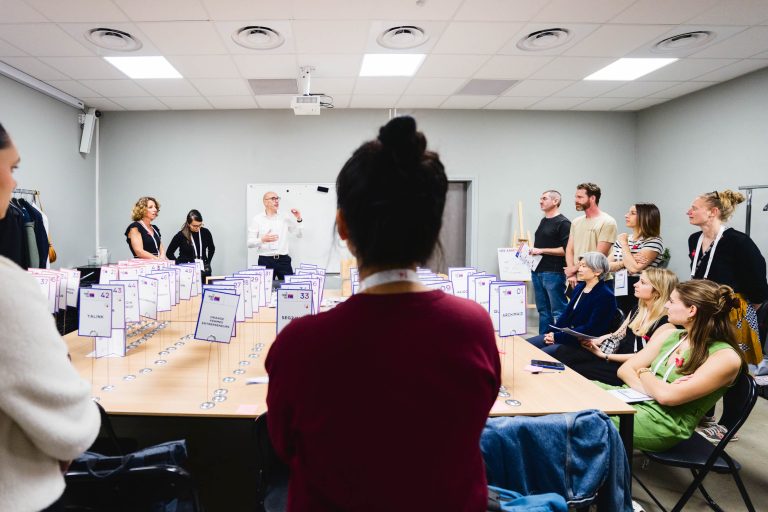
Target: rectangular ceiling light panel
391, 64
629, 69
144, 67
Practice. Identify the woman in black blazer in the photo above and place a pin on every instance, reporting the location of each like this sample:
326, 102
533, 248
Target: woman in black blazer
591, 310
193, 242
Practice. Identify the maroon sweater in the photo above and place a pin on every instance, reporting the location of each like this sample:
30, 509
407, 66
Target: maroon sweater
378, 404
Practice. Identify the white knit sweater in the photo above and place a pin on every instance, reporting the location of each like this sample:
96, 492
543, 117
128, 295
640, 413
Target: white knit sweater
46, 414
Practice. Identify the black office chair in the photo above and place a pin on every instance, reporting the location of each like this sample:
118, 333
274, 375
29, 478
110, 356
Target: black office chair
273, 474
701, 457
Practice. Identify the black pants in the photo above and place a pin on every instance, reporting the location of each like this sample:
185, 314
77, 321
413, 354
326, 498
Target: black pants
280, 264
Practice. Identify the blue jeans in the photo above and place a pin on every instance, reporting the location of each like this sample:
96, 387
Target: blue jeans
549, 288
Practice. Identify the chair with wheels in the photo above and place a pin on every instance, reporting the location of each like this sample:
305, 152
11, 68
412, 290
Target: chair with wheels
701, 457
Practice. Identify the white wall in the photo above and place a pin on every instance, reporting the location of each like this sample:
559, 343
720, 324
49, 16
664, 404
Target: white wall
47, 135
710, 140
204, 159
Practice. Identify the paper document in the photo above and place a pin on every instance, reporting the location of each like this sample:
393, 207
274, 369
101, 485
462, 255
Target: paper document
629, 395
575, 334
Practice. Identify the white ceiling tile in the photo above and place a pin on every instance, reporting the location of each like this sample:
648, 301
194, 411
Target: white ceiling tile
616, 40
539, 88
373, 101
74, 88
55, 42
475, 38
602, 104
587, 89
332, 86
78, 10
168, 87
267, 66
639, 89
415, 11
184, 37
16, 11
332, 9
763, 55
78, 32
227, 29
641, 104
331, 66
274, 101
341, 101
116, 88
205, 66
578, 32
583, 11
221, 86
145, 103
231, 102
450, 66
434, 86
511, 67
733, 70
35, 68
8, 50
745, 44
420, 101
102, 104
685, 69
682, 89
735, 12
465, 102
248, 10
381, 85
171, 10
571, 68
557, 103
185, 103
499, 10
663, 11
313, 36
512, 103
81, 68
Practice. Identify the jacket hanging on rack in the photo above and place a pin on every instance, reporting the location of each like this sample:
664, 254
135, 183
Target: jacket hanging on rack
13, 240
40, 232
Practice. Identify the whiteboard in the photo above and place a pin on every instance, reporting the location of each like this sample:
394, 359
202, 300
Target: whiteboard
319, 244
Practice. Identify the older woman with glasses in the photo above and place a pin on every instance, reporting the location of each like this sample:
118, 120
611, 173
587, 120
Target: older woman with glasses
591, 310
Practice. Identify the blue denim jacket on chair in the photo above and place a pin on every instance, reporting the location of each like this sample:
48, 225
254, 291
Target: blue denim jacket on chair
573, 454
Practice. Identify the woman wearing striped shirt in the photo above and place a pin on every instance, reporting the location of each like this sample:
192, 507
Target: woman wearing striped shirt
637, 251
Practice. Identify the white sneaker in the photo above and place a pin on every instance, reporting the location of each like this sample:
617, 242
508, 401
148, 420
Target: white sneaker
636, 507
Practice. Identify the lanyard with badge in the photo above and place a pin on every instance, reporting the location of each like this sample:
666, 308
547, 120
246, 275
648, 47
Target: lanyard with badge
694, 264
152, 236
194, 245
389, 276
666, 358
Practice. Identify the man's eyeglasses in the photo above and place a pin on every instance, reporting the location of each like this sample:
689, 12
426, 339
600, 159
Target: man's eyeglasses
276, 198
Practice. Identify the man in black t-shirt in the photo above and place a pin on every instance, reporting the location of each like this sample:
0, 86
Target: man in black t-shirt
548, 278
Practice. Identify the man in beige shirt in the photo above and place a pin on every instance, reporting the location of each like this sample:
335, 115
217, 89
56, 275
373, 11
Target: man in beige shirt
593, 231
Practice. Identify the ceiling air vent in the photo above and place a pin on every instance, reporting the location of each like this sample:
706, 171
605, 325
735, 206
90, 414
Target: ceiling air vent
111, 39
686, 41
258, 38
402, 37
544, 39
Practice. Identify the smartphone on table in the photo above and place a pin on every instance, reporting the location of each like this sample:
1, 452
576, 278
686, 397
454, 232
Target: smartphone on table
554, 365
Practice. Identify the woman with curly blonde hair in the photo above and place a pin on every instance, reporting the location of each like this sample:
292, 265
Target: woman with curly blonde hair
142, 236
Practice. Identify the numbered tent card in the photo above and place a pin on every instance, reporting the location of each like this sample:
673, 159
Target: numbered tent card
216, 320
483, 291
108, 273
239, 286
471, 284
131, 298
494, 303
318, 275
316, 293
257, 289
266, 286
443, 285
163, 289
459, 276
292, 304
148, 297
175, 285
118, 303
128, 272
511, 267
73, 286
246, 293
354, 274
512, 310
95, 313
186, 280
225, 287
111, 346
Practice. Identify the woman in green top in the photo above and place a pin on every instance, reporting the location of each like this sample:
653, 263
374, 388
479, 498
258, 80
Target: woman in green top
686, 372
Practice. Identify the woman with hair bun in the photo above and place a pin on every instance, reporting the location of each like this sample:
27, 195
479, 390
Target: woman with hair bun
385, 354
688, 371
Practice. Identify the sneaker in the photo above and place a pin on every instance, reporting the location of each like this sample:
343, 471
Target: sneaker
715, 433
707, 422
636, 507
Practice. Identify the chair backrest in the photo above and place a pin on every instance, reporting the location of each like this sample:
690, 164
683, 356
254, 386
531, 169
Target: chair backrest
738, 402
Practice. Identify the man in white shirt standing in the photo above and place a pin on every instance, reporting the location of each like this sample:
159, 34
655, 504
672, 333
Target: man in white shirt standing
269, 234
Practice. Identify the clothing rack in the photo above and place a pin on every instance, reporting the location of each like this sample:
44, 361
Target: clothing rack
749, 189
26, 191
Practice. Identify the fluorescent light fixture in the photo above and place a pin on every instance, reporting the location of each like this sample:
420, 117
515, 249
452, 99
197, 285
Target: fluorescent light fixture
144, 67
40, 86
391, 64
629, 69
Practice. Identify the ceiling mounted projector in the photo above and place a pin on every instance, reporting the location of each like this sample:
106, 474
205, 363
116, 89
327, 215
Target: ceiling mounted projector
306, 105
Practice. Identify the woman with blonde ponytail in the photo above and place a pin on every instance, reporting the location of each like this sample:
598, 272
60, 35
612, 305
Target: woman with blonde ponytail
688, 371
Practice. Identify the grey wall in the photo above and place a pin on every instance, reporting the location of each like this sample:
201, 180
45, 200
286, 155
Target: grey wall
47, 135
204, 160
711, 140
